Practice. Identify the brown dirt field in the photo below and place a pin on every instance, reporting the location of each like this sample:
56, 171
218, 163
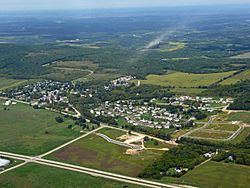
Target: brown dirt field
79, 153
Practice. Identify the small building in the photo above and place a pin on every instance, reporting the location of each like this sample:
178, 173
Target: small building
4, 163
7, 103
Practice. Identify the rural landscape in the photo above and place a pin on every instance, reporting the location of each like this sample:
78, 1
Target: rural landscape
125, 97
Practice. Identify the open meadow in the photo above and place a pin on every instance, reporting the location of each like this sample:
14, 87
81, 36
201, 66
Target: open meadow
209, 134
240, 116
95, 152
6, 83
25, 130
181, 79
214, 175
233, 80
37, 176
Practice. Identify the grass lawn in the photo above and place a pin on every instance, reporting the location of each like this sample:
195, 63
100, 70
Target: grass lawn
25, 130
181, 79
37, 176
224, 127
240, 116
205, 133
215, 175
112, 133
95, 152
233, 80
6, 83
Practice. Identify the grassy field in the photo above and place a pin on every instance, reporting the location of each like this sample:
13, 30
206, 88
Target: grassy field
188, 91
151, 144
215, 175
223, 127
25, 130
6, 83
37, 176
95, 152
240, 116
112, 133
65, 74
75, 64
172, 46
233, 80
242, 56
205, 133
100, 75
242, 136
181, 79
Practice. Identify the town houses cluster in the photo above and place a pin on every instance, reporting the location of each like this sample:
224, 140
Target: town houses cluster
139, 115
42, 93
154, 114
119, 82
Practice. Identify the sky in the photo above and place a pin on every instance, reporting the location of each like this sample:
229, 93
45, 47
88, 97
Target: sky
96, 4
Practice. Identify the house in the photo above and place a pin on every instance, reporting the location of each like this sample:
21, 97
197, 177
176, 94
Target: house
4, 163
178, 169
208, 155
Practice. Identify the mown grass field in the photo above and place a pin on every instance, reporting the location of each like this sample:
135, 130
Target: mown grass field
240, 116
37, 176
215, 175
181, 79
6, 83
25, 130
206, 133
233, 80
95, 152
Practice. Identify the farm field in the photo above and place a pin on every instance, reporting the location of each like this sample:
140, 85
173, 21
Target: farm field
95, 152
25, 130
37, 176
209, 134
215, 174
240, 116
6, 83
181, 79
233, 80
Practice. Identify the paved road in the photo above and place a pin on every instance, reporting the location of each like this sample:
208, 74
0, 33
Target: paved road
93, 172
